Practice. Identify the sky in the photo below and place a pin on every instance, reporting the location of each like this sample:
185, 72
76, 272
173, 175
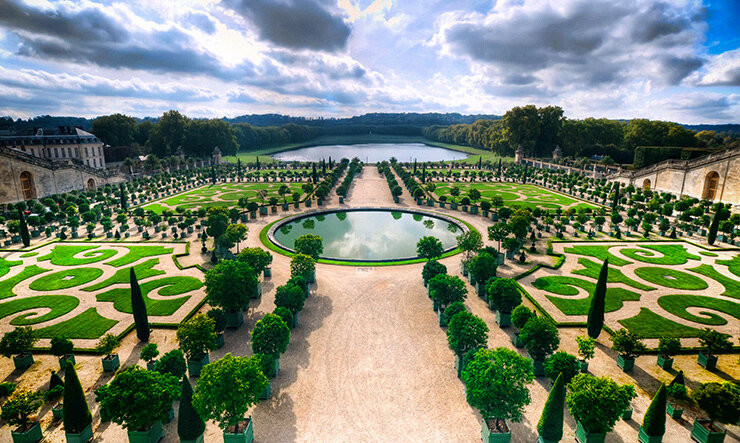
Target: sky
665, 60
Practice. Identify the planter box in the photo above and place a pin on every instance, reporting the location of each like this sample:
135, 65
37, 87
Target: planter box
152, 435
31, 436
234, 320
708, 362
494, 437
441, 318
111, 364
704, 435
627, 364
665, 362
23, 361
267, 393
503, 319
539, 367
220, 342
584, 365
263, 210
627, 414
583, 436
246, 436
64, 359
673, 411
57, 412
83, 437
195, 366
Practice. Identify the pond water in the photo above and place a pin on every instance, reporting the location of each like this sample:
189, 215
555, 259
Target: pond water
373, 153
369, 235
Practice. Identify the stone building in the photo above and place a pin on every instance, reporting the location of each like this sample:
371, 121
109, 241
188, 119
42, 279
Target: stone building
714, 177
45, 162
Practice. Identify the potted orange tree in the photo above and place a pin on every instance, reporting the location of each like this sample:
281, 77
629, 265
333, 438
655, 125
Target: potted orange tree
197, 336
18, 411
596, 403
721, 401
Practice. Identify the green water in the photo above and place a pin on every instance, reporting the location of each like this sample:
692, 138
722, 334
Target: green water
369, 235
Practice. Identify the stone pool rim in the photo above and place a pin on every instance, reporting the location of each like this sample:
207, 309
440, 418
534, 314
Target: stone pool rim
278, 247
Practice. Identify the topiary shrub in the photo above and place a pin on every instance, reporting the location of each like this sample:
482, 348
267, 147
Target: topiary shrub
452, 310
562, 363
503, 294
172, 363
465, 331
550, 426
270, 336
445, 289
597, 402
77, 414
431, 269
540, 337
627, 344
290, 297
18, 341
721, 401
190, 425
653, 424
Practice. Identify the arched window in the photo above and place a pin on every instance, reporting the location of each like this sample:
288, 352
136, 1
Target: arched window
27, 186
646, 184
710, 186
91, 184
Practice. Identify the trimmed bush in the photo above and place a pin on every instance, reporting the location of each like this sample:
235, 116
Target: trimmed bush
540, 337
270, 335
503, 294
466, 331
654, 422
172, 363
550, 426
562, 363
521, 315
141, 319
77, 414
595, 320
431, 269
189, 424
597, 402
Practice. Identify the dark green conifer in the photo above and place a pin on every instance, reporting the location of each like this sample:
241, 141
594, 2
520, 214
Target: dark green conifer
596, 311
138, 307
24, 228
654, 422
550, 426
124, 199
189, 424
76, 411
712, 235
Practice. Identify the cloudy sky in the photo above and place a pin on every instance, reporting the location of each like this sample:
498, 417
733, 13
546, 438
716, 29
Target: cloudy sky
670, 60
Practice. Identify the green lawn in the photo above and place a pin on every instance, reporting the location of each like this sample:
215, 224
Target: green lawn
166, 287
63, 255
598, 251
614, 275
566, 286
677, 304
527, 196
40, 308
87, 325
67, 278
672, 254
648, 324
226, 194
671, 278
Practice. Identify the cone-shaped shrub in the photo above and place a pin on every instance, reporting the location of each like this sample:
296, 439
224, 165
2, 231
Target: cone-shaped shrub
25, 236
712, 234
550, 425
139, 309
596, 311
189, 424
654, 422
76, 412
678, 379
55, 381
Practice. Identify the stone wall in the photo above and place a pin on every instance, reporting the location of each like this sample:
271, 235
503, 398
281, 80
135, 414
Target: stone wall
47, 179
690, 177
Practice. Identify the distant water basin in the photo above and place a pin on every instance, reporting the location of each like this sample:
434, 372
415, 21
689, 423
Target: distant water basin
368, 234
373, 153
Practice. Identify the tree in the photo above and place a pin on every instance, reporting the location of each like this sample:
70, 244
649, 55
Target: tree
123, 198
498, 232
197, 336
521, 315
721, 401
504, 294
596, 311
561, 363
270, 336
290, 297
303, 265
586, 346
257, 258
653, 424
189, 424
235, 234
429, 247
173, 363
61, 346
550, 426
18, 341
522, 128
469, 242
540, 337
136, 398
23, 227
227, 388
496, 383
168, 134
77, 414
309, 244
445, 289
230, 284
465, 332
482, 267
217, 222
431, 269
597, 402
138, 307
107, 344
149, 352
627, 344
115, 129
712, 234
19, 407
713, 342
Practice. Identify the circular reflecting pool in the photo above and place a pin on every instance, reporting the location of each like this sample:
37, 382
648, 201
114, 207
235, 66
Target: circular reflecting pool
373, 153
367, 234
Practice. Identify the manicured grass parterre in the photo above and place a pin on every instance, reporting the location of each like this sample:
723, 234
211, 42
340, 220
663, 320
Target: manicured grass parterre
523, 195
76, 269
225, 194
656, 271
